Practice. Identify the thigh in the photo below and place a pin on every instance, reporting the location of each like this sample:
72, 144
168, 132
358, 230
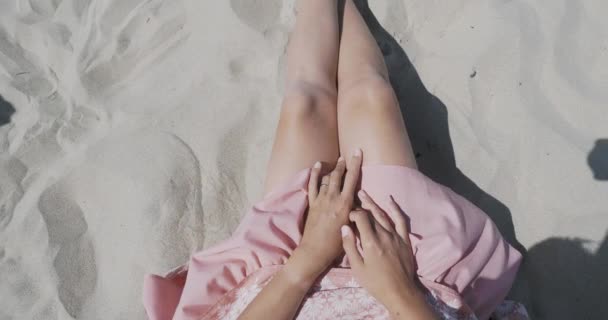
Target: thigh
307, 132
369, 118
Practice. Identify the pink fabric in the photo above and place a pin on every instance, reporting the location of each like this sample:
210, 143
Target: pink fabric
456, 246
338, 296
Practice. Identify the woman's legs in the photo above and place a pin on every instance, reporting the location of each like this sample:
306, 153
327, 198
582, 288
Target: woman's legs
368, 111
308, 131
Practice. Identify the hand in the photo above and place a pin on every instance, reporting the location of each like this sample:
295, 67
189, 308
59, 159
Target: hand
329, 207
385, 267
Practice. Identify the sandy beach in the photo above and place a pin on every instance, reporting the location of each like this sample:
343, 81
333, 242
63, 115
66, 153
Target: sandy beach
136, 132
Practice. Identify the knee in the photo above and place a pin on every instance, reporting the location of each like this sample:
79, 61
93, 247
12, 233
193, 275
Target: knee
307, 102
370, 92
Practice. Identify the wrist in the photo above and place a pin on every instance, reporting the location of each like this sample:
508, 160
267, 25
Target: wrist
410, 304
300, 271
403, 299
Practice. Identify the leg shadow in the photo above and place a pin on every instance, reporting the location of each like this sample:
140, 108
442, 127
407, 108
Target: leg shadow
6, 111
426, 118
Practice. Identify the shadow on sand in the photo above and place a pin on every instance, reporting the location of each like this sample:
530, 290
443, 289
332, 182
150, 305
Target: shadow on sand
598, 160
565, 280
559, 278
426, 118
6, 111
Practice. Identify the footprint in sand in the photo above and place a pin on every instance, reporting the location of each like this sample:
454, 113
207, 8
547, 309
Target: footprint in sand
75, 260
229, 182
148, 30
27, 77
132, 192
12, 172
257, 14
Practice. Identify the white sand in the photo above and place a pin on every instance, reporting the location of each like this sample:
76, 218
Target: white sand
142, 131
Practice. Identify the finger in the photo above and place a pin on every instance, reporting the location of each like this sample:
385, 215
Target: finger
352, 174
335, 181
364, 225
349, 242
324, 184
357, 238
398, 217
369, 204
313, 182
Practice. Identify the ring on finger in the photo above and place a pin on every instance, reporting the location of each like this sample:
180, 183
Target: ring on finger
324, 181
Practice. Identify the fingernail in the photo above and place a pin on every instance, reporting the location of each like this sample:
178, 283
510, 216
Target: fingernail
344, 230
362, 194
317, 164
340, 159
357, 152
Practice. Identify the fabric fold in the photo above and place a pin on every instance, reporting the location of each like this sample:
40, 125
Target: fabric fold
456, 246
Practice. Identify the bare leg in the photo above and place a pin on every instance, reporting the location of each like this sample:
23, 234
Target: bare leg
308, 129
368, 111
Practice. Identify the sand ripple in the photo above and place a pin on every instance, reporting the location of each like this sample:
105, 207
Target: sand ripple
142, 130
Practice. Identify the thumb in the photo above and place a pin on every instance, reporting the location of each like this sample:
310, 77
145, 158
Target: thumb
350, 246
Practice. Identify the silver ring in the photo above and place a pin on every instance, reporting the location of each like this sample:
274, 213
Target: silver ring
324, 184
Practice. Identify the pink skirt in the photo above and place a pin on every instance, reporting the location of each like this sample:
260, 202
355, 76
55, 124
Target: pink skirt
456, 246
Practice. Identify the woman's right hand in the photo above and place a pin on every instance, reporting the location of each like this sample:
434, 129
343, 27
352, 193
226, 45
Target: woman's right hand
385, 266
330, 199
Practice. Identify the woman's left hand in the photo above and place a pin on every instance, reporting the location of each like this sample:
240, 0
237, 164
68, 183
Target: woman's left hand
385, 266
329, 206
